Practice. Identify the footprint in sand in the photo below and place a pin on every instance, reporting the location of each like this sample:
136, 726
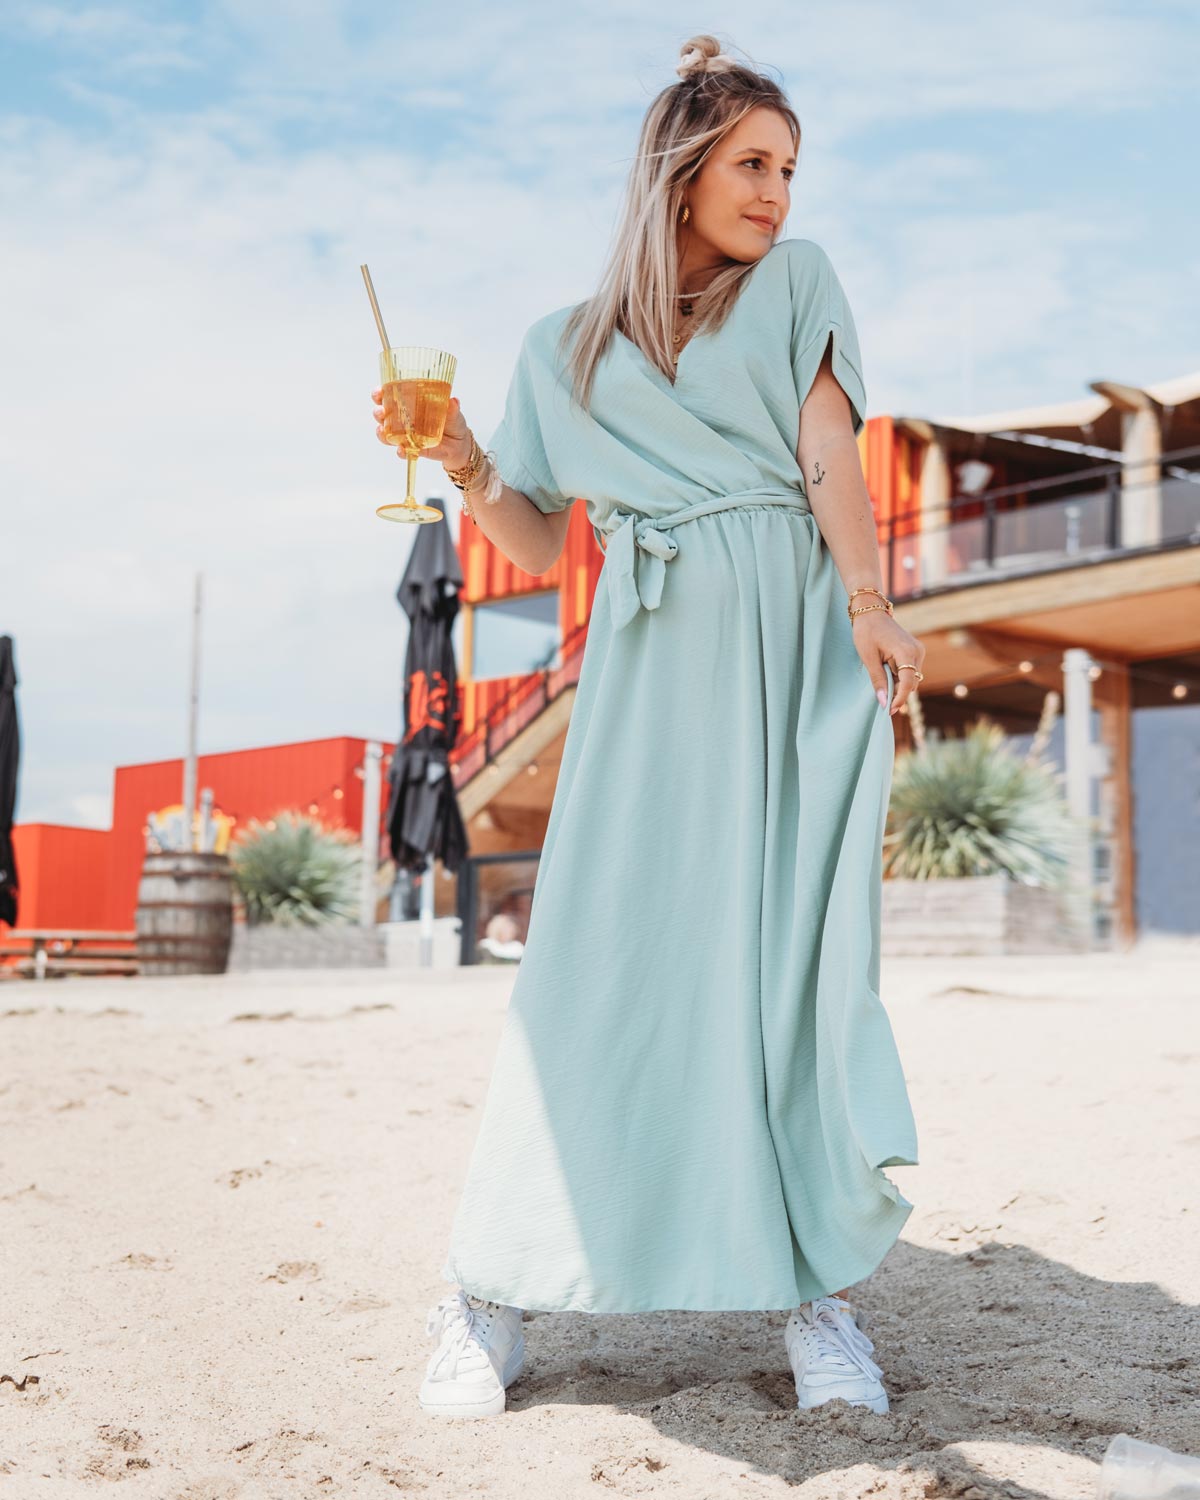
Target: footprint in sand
295, 1270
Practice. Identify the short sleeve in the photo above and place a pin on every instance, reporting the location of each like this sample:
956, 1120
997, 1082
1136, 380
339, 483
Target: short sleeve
519, 442
820, 312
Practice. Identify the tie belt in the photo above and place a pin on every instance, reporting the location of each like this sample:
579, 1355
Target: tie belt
635, 584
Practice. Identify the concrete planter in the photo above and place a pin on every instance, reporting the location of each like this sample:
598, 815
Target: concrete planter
337, 946
976, 914
403, 944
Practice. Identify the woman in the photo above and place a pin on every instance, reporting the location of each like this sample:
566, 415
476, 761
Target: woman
696, 1087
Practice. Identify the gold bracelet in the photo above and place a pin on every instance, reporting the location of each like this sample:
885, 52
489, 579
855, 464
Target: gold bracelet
461, 477
868, 589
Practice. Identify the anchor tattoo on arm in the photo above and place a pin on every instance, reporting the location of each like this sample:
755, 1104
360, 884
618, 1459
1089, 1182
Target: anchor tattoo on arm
817, 473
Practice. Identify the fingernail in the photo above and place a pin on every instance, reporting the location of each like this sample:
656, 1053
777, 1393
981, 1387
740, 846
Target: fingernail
882, 696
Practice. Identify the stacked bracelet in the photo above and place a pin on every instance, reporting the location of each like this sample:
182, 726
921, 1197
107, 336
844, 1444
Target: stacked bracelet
464, 478
464, 475
866, 608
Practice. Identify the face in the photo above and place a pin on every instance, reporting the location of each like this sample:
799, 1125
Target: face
741, 195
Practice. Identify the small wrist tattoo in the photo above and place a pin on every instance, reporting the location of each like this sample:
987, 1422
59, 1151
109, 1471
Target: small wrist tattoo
817, 474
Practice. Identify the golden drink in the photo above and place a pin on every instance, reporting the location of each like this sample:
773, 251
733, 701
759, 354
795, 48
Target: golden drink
415, 384
424, 403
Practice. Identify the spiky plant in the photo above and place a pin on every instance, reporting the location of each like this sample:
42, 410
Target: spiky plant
971, 806
291, 871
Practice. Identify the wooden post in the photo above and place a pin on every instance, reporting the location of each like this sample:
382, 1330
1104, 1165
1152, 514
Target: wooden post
1077, 748
1113, 698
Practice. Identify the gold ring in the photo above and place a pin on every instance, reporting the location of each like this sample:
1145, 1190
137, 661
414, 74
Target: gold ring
901, 666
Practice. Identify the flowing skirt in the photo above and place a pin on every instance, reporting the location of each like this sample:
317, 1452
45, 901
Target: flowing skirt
697, 1087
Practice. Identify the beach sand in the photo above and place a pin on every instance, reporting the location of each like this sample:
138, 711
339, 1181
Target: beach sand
224, 1204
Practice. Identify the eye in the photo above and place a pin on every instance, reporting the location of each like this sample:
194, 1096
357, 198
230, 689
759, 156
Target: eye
788, 172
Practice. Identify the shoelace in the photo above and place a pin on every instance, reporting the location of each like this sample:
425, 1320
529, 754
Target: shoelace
832, 1319
455, 1311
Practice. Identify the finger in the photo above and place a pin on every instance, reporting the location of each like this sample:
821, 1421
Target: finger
377, 395
879, 682
904, 686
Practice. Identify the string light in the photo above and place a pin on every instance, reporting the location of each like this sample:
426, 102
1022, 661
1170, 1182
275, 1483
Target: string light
1004, 672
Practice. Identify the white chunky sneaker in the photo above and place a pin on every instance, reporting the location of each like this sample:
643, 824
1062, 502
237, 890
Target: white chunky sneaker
830, 1356
481, 1351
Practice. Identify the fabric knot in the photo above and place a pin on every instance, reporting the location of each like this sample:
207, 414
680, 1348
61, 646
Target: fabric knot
635, 583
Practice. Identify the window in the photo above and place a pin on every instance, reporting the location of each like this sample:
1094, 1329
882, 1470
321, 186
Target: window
514, 636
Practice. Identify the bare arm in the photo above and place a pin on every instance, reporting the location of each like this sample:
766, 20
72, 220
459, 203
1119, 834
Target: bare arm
531, 540
837, 492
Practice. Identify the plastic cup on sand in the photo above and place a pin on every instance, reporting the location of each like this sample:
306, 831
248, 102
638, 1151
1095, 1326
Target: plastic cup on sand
1133, 1470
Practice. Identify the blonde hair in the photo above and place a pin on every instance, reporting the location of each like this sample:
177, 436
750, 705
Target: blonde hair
639, 284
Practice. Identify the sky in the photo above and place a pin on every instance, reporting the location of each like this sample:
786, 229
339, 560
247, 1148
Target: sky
186, 195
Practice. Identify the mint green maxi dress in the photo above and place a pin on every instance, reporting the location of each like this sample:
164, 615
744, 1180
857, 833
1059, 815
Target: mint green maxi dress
697, 1087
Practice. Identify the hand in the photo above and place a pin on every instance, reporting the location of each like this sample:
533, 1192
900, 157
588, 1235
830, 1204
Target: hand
878, 639
455, 447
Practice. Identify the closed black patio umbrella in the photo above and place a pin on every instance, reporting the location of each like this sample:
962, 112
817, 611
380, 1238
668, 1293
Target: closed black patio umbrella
423, 817
10, 754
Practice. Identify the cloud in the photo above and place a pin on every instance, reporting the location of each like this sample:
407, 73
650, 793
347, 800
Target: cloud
125, 37
189, 349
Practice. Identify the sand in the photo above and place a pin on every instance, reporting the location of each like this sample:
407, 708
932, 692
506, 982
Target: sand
224, 1204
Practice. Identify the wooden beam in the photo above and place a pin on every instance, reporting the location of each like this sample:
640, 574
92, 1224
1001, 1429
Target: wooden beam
1056, 589
516, 755
1004, 647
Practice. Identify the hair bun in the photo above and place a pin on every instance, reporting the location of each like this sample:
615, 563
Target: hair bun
702, 54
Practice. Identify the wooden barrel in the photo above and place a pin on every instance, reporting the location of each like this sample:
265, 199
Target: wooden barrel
184, 913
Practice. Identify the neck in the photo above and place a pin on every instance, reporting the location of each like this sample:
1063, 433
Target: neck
697, 267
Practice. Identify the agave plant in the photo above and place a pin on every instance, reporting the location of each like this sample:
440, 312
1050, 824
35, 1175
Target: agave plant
291, 871
972, 806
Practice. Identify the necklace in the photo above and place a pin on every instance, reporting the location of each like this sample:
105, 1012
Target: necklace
686, 309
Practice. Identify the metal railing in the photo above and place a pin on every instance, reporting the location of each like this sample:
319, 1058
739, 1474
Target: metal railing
520, 706
1033, 527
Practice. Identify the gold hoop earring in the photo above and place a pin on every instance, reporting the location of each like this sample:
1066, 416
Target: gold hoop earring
684, 216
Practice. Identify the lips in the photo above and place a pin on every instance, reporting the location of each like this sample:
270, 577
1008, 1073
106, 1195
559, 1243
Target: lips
762, 223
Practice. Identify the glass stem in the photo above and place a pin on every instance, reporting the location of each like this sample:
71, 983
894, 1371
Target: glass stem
411, 497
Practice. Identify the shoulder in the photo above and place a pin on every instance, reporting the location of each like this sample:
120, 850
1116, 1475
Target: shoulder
542, 347
542, 333
800, 259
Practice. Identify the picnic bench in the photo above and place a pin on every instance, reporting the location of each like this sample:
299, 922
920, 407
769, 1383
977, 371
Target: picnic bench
43, 951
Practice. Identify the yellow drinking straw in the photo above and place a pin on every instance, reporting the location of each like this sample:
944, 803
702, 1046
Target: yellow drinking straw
404, 416
375, 309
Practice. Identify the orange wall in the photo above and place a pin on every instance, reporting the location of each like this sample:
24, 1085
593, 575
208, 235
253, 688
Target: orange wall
246, 784
87, 879
64, 876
